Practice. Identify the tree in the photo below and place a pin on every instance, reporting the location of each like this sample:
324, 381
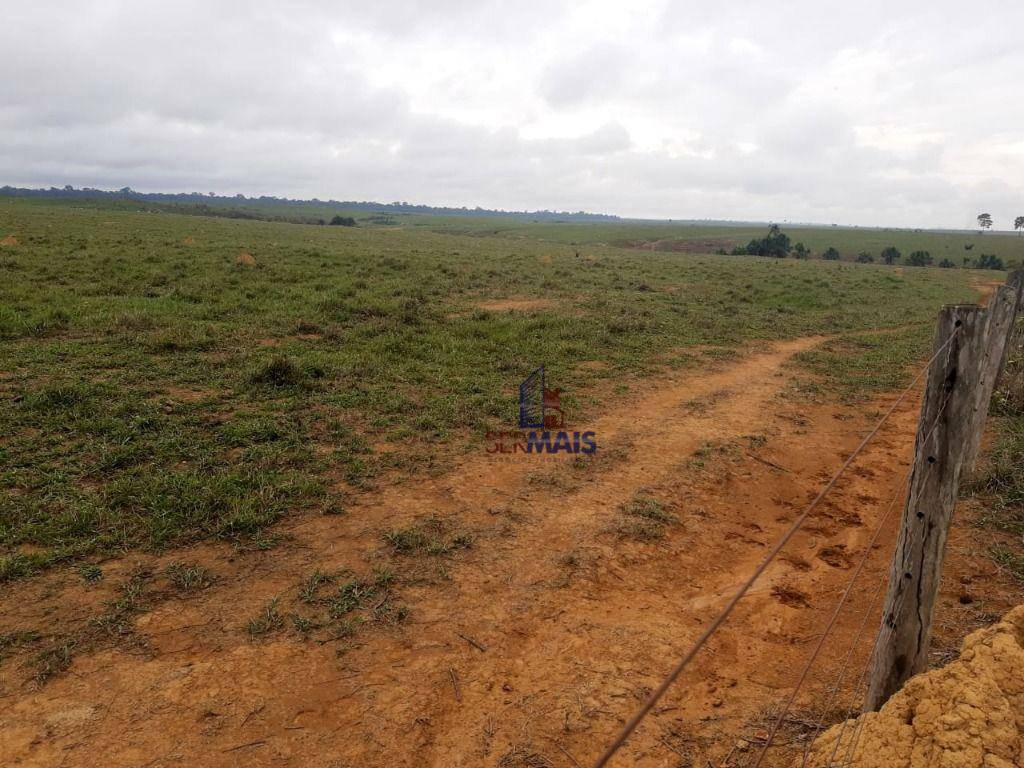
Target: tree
989, 261
946, 264
919, 259
1018, 224
865, 258
775, 245
830, 254
343, 221
890, 254
985, 221
800, 251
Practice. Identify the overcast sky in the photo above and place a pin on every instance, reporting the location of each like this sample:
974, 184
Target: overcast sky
868, 112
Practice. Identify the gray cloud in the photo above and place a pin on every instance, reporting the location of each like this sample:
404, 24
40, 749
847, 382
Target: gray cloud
861, 113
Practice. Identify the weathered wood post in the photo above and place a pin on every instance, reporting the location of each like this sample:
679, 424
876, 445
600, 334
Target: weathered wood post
1000, 315
944, 440
1016, 282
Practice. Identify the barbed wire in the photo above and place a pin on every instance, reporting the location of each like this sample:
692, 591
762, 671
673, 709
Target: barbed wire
905, 483
720, 619
828, 628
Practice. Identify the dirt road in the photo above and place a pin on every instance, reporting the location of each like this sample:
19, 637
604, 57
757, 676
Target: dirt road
529, 647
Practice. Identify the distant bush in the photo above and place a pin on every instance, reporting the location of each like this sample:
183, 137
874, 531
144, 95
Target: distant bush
800, 251
946, 264
989, 261
775, 244
343, 221
890, 254
865, 258
830, 254
919, 259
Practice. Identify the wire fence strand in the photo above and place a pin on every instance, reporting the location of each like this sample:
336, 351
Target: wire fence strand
883, 580
828, 628
673, 675
872, 606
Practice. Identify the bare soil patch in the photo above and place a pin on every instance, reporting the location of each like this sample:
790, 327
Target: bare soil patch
515, 304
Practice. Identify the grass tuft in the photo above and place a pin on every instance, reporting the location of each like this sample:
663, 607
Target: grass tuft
268, 620
644, 519
189, 578
427, 537
279, 372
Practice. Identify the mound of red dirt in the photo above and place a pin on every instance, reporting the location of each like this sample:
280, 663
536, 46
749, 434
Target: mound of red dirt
966, 714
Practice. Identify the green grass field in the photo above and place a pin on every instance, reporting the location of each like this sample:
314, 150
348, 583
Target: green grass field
153, 391
955, 246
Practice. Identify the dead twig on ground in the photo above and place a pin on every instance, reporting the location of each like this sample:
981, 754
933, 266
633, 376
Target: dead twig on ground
455, 683
767, 463
257, 743
479, 646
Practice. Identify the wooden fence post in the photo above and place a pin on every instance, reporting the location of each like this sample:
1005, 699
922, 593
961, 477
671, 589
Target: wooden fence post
1000, 315
944, 437
1016, 282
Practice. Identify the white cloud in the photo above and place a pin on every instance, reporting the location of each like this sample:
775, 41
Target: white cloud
868, 113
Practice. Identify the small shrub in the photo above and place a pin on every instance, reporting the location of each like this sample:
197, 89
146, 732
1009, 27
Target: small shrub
989, 261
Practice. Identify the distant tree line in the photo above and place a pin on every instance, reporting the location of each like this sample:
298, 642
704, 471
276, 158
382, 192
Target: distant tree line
776, 244
211, 199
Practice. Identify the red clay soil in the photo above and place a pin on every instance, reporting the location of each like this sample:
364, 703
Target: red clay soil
532, 646
965, 714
